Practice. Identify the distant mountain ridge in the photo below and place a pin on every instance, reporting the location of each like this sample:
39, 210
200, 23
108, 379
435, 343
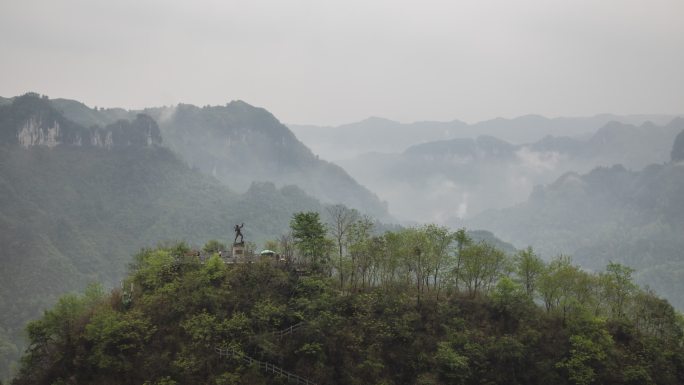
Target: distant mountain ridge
387, 136
627, 144
446, 179
608, 214
483, 147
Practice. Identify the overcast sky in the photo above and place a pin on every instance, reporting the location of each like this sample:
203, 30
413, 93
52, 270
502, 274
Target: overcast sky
332, 62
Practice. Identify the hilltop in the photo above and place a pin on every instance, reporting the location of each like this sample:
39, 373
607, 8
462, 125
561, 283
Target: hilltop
180, 321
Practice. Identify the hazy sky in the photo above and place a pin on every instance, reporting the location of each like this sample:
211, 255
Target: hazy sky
331, 62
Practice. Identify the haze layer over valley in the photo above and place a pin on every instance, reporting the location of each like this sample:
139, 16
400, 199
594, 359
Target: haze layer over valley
375, 134
471, 168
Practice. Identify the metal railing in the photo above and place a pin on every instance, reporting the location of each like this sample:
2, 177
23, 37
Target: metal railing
265, 366
288, 330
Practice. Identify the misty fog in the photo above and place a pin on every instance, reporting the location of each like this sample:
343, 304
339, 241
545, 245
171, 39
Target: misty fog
444, 172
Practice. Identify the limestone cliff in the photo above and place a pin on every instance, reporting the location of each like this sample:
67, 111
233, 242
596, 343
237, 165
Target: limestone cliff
30, 120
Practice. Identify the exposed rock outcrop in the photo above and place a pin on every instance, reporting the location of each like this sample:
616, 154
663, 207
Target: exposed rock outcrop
31, 121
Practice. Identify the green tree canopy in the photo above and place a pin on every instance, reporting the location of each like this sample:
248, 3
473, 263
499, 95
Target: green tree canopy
309, 236
213, 246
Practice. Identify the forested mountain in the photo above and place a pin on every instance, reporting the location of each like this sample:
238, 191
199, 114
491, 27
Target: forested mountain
76, 202
180, 321
608, 214
240, 144
442, 180
386, 136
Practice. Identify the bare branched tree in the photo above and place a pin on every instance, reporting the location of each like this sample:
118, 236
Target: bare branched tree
341, 220
287, 246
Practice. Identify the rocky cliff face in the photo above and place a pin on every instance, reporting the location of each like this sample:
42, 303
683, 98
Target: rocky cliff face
141, 131
36, 132
31, 121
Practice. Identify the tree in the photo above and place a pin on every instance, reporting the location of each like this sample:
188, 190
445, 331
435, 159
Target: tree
550, 285
462, 240
656, 317
358, 239
116, 339
619, 287
286, 246
55, 332
439, 241
481, 265
566, 288
272, 245
415, 250
250, 248
589, 347
341, 219
391, 263
309, 237
528, 267
213, 246
452, 365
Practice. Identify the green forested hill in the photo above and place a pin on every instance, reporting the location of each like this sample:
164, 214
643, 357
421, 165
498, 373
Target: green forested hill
609, 214
240, 144
72, 214
175, 312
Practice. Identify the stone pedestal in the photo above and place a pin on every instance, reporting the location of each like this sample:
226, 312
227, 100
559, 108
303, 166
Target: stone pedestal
239, 252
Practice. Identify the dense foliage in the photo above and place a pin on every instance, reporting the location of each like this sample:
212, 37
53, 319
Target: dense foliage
422, 305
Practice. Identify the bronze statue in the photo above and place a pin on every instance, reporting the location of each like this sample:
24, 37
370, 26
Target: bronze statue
238, 233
